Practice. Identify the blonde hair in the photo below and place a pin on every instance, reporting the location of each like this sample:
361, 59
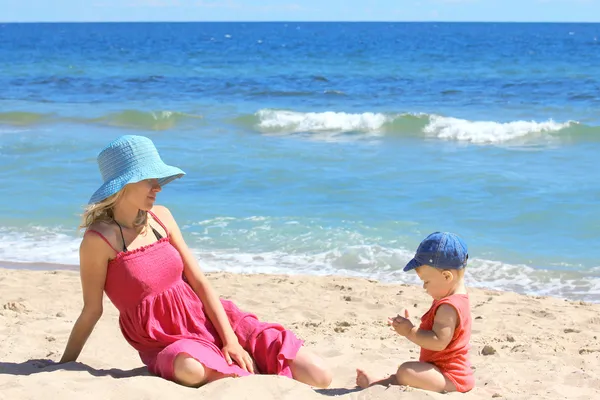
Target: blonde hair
102, 211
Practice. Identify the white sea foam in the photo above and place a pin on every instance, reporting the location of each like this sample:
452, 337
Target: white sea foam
448, 128
487, 131
52, 246
39, 245
292, 121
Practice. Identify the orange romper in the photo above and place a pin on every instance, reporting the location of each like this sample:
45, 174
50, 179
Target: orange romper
453, 361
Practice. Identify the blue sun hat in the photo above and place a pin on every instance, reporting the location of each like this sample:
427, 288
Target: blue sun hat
131, 159
442, 250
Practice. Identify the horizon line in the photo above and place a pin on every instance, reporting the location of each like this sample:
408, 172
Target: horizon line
300, 21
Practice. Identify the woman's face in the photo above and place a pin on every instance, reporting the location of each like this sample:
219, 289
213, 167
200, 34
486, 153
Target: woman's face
142, 194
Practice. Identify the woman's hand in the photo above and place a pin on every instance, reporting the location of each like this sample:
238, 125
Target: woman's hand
234, 352
213, 307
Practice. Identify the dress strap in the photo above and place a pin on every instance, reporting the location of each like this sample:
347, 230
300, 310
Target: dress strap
159, 222
122, 237
102, 237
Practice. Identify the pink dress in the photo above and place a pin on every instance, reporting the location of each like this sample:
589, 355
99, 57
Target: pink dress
161, 316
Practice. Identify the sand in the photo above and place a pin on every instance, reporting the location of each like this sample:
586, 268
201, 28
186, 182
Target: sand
543, 348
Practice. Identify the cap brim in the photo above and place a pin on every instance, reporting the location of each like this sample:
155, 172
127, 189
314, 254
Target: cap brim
412, 264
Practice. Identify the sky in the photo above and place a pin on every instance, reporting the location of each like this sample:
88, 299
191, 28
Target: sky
299, 10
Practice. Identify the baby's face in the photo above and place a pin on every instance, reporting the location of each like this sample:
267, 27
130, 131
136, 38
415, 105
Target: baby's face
436, 283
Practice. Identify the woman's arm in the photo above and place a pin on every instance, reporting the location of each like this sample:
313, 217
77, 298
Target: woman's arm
93, 258
202, 287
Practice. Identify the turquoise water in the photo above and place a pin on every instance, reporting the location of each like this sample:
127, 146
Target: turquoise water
321, 148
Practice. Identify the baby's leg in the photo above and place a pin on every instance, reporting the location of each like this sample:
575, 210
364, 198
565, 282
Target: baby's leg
365, 380
425, 376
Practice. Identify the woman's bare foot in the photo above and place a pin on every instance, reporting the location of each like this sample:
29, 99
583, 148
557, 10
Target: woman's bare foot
362, 379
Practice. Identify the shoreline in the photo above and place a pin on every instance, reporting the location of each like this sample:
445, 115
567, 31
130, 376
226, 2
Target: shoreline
38, 266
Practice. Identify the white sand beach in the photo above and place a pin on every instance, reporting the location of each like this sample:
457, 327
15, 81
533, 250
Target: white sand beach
543, 348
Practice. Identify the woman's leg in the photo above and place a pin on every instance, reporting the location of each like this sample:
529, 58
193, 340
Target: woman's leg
188, 371
310, 369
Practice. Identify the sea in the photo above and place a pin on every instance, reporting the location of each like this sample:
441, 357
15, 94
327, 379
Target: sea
318, 148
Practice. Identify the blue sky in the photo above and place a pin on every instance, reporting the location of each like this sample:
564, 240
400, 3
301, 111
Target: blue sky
300, 10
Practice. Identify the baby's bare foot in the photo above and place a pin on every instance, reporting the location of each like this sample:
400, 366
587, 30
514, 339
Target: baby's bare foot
362, 379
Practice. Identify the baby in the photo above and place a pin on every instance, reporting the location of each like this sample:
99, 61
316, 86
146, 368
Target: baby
445, 329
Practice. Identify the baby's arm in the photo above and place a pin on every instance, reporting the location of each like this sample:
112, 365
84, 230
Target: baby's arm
437, 339
420, 374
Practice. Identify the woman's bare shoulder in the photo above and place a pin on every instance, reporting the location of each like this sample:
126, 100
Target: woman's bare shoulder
91, 239
104, 228
165, 216
163, 213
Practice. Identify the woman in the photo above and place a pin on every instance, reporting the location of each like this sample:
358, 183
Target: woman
134, 251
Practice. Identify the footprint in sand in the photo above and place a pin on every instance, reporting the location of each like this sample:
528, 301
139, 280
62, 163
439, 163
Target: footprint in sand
519, 349
588, 351
342, 326
17, 307
537, 313
543, 314
342, 287
311, 324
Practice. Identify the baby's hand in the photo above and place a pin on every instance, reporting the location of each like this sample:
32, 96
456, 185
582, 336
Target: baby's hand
401, 325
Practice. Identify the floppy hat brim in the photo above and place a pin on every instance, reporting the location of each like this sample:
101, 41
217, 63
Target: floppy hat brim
164, 173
